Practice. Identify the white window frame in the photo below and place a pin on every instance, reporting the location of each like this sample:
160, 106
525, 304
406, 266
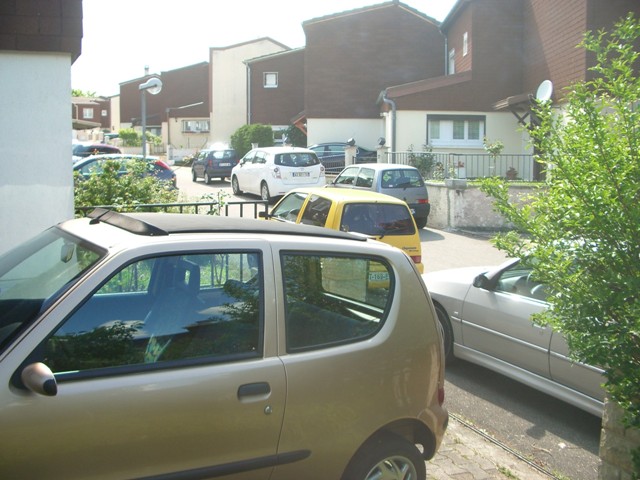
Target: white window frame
451, 64
270, 79
465, 44
87, 113
445, 131
195, 126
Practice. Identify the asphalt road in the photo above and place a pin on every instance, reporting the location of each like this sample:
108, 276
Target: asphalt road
560, 438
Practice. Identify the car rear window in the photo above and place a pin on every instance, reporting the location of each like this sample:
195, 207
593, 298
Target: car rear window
296, 159
377, 219
221, 154
401, 178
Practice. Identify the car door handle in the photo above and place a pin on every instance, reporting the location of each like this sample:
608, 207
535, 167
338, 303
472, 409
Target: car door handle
254, 390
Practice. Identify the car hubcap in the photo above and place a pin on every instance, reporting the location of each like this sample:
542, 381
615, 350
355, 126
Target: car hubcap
393, 468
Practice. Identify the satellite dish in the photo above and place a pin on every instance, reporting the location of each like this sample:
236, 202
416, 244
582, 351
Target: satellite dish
544, 92
153, 86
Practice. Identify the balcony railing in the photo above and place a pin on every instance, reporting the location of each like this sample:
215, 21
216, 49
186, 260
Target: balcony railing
440, 165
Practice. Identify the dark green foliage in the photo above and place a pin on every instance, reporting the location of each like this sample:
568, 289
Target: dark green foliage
241, 140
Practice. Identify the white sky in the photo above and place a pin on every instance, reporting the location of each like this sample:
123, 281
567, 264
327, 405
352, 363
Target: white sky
122, 36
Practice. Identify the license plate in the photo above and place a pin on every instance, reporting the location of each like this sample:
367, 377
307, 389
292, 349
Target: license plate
378, 276
225, 164
300, 174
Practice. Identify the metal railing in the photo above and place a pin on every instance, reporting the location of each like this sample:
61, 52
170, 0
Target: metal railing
441, 165
228, 209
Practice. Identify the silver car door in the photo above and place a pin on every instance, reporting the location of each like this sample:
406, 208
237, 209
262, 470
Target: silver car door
497, 322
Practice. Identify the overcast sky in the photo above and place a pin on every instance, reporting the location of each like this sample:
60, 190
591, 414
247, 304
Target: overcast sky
122, 36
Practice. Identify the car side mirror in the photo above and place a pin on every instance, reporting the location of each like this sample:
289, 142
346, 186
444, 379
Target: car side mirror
481, 281
39, 378
264, 214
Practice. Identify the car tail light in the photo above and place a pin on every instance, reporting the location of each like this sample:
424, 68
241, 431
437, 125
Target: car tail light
322, 170
416, 258
210, 163
423, 200
161, 164
440, 396
276, 173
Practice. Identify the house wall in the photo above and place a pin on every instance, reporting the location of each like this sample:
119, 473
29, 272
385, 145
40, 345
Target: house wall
503, 126
228, 77
365, 131
35, 93
351, 57
277, 106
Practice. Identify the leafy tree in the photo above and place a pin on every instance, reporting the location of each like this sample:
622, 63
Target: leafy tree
580, 231
79, 93
112, 188
242, 138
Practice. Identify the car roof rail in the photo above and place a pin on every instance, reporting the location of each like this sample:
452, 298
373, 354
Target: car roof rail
125, 222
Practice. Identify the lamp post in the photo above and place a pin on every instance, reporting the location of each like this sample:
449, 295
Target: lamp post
153, 86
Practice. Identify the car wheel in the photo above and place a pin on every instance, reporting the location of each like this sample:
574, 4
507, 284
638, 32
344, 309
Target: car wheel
222, 179
207, 178
388, 457
264, 192
194, 177
235, 187
447, 333
421, 222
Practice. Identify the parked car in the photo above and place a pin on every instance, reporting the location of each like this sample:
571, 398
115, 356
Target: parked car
94, 165
213, 163
332, 155
176, 345
82, 150
400, 181
486, 313
273, 171
381, 216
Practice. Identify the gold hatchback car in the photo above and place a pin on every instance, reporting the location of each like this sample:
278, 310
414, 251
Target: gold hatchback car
380, 216
188, 346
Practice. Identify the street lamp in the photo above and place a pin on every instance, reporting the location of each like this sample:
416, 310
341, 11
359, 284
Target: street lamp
153, 86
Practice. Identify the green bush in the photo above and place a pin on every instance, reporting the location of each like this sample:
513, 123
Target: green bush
130, 138
242, 138
111, 188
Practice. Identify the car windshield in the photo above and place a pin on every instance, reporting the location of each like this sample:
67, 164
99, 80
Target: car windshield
36, 273
297, 159
401, 178
377, 219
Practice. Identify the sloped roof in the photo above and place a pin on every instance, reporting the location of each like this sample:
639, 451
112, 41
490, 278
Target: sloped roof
369, 8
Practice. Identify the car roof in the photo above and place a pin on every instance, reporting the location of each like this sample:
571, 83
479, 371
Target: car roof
383, 166
283, 150
163, 224
348, 195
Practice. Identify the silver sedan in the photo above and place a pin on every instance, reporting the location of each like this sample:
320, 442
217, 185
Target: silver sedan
485, 314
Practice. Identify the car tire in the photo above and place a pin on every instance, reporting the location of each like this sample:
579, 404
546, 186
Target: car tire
264, 192
235, 186
194, 177
447, 333
222, 179
421, 222
386, 456
207, 178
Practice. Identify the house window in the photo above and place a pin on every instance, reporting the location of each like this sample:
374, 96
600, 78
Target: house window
455, 130
104, 113
452, 64
465, 44
270, 80
87, 113
195, 126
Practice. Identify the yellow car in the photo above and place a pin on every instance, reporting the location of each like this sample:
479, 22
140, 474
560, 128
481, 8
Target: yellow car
386, 218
